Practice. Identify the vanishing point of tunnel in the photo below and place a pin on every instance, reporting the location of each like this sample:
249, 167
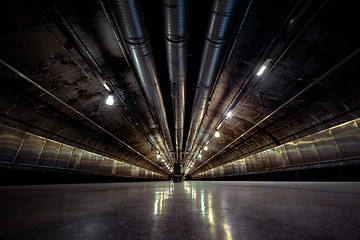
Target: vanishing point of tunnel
179, 119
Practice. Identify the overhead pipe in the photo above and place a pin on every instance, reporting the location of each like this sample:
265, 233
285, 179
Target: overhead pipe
222, 19
236, 99
175, 13
132, 26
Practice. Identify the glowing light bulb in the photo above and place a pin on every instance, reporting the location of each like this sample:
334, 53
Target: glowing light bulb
110, 100
229, 114
261, 71
206, 148
217, 134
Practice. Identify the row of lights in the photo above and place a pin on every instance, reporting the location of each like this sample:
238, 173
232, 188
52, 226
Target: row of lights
216, 134
110, 98
110, 101
229, 114
158, 156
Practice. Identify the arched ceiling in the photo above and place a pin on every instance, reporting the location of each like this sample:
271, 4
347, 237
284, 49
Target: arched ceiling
175, 69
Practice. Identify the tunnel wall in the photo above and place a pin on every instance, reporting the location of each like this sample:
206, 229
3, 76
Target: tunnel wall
21, 150
334, 147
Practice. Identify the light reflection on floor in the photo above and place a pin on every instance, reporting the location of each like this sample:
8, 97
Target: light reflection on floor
188, 210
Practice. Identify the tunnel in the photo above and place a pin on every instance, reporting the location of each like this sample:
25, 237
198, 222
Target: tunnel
179, 119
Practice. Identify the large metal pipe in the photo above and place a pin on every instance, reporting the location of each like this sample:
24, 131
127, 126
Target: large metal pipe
222, 19
176, 38
132, 26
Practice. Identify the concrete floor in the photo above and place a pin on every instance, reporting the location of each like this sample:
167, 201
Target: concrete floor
189, 210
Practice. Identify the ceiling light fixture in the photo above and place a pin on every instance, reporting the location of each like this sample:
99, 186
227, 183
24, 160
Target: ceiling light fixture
158, 156
110, 100
217, 134
228, 114
261, 71
207, 142
163, 160
106, 87
219, 126
206, 148
199, 155
263, 67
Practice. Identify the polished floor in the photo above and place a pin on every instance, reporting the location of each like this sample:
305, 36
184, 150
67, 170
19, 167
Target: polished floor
188, 210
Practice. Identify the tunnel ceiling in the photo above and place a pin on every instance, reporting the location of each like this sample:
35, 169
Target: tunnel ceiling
175, 70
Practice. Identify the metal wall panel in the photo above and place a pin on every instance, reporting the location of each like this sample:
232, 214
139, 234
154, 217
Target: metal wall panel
85, 160
10, 142
141, 172
307, 150
272, 158
248, 164
253, 161
64, 155
134, 171
259, 162
336, 144
123, 169
236, 167
265, 160
30, 150
24, 148
325, 146
114, 166
347, 138
93, 162
105, 165
100, 164
75, 158
243, 166
281, 157
293, 153
49, 153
